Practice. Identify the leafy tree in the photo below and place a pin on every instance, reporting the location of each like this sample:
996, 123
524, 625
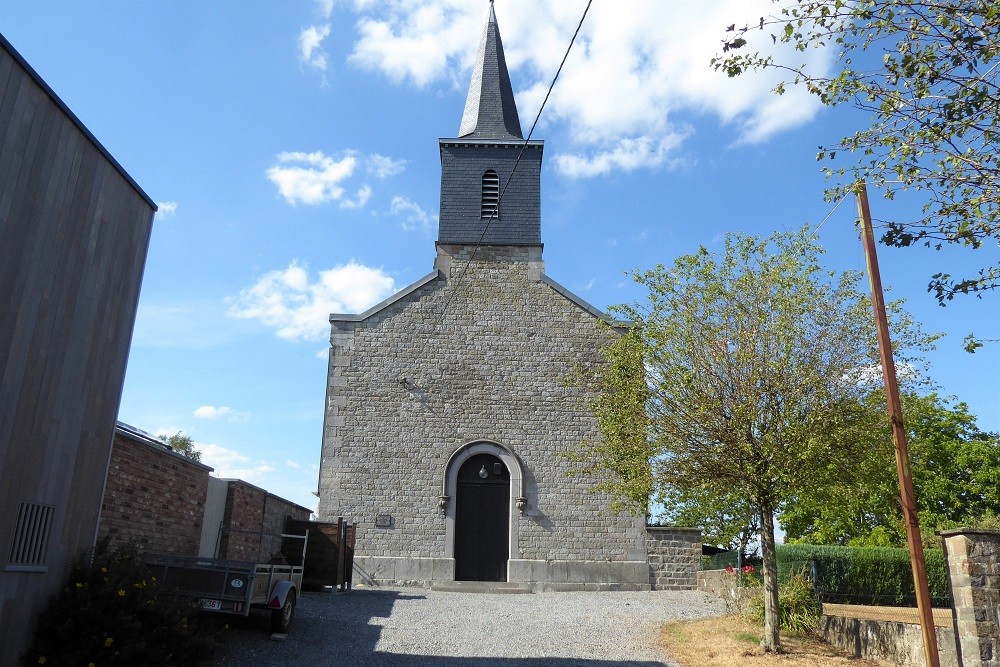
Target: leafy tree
928, 74
726, 519
182, 444
620, 407
757, 364
956, 479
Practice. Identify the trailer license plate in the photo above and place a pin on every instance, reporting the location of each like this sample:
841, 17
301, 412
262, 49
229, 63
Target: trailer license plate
211, 604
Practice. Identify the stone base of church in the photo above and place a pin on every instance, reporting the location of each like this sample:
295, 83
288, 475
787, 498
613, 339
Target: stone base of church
538, 575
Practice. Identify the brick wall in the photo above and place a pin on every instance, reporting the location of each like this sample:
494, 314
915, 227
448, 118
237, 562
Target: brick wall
674, 555
251, 511
153, 495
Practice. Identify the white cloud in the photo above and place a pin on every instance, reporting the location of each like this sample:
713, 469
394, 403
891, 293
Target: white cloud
626, 155
211, 412
630, 86
230, 463
166, 209
383, 166
311, 178
360, 199
292, 464
310, 46
325, 8
414, 217
298, 308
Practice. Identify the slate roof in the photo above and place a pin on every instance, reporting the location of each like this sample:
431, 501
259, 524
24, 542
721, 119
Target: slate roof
490, 111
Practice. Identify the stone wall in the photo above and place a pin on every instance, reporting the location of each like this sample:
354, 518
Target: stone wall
445, 364
890, 642
154, 496
973, 561
253, 518
717, 582
674, 555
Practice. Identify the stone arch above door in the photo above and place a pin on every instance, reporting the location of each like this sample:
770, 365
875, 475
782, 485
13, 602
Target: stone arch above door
450, 482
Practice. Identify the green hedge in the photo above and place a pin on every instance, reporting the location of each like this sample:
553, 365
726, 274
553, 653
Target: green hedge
865, 575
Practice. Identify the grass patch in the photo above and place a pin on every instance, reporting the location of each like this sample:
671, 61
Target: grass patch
752, 637
732, 641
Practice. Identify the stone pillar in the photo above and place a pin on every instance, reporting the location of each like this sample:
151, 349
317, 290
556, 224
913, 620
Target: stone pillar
674, 555
973, 560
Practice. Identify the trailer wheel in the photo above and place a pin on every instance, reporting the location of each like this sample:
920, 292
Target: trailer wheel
281, 619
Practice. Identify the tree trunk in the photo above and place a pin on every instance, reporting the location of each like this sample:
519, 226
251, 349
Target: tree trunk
772, 620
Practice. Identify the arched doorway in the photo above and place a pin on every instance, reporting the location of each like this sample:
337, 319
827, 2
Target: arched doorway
482, 519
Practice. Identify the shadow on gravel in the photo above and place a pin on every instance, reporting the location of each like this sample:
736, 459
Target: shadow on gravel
344, 629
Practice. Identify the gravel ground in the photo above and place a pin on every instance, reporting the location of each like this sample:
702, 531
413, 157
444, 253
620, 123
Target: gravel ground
422, 628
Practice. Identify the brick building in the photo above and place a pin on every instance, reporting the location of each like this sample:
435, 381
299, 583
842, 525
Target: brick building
153, 495
448, 416
255, 517
169, 504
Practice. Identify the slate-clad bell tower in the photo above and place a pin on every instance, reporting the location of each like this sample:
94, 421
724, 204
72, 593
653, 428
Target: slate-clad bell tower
476, 166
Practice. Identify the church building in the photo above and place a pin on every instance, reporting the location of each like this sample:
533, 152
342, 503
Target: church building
448, 416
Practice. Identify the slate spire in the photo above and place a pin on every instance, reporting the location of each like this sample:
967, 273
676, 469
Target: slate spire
490, 111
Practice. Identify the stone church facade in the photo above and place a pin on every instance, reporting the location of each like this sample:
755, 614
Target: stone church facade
448, 414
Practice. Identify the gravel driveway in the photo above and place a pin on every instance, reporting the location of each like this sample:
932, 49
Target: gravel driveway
423, 628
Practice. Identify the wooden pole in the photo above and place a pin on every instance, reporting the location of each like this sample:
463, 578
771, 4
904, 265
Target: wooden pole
906, 495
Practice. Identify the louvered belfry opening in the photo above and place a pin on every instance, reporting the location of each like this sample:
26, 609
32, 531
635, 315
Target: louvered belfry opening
491, 195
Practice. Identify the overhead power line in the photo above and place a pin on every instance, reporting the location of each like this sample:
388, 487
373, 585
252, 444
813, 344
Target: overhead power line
524, 146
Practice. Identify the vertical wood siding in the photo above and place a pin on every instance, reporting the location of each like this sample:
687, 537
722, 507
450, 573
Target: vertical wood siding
74, 230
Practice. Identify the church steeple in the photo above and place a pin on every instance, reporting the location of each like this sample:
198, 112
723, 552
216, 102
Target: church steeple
484, 199
490, 111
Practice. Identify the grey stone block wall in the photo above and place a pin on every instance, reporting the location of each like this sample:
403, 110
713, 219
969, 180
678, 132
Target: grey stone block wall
973, 561
674, 555
455, 362
887, 642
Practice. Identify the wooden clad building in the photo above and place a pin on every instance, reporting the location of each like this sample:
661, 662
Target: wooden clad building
74, 230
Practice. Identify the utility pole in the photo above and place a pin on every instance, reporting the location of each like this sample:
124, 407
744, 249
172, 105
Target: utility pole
907, 498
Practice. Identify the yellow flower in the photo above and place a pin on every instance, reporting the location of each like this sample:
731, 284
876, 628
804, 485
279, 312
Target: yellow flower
91, 665
79, 585
108, 641
41, 658
121, 592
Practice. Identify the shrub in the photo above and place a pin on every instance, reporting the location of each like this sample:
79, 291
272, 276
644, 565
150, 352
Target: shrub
112, 613
798, 608
867, 575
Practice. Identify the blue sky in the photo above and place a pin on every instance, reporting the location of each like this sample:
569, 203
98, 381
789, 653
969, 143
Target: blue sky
292, 147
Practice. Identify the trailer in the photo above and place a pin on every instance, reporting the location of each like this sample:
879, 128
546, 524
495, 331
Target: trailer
225, 586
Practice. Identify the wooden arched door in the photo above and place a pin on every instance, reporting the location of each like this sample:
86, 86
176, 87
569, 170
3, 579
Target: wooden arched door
482, 520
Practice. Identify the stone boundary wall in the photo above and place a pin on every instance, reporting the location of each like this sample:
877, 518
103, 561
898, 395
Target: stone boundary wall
674, 554
717, 582
154, 496
891, 642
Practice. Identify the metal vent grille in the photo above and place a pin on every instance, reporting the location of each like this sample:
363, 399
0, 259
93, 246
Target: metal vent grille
491, 195
31, 534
